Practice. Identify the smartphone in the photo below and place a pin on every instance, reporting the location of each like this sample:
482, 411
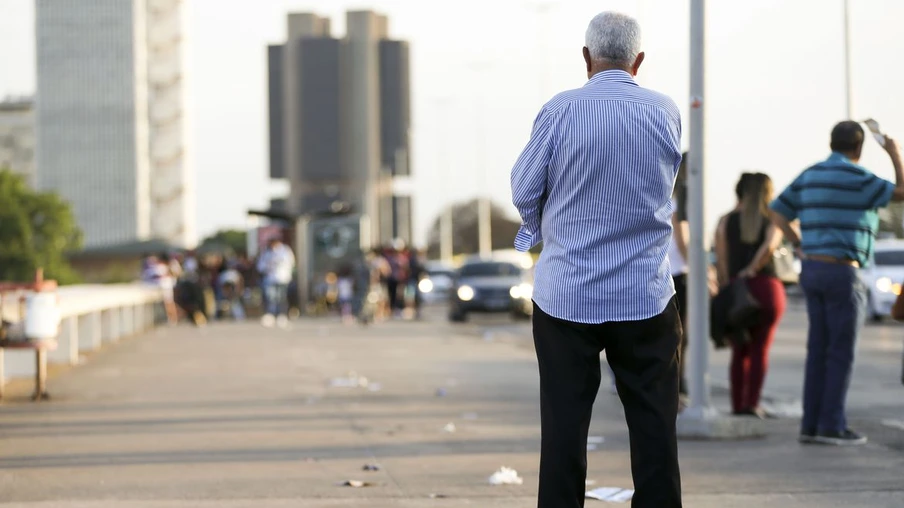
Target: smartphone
873, 127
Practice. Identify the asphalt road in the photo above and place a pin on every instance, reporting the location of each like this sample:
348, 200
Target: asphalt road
242, 416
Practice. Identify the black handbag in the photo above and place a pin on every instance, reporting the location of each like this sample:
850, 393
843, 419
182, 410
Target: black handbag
732, 312
745, 309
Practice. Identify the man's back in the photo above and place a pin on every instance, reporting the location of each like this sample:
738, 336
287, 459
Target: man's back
606, 220
836, 202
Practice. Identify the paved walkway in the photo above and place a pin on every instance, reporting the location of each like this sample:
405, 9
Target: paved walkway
240, 416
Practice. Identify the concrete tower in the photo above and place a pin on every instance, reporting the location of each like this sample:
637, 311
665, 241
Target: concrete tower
339, 119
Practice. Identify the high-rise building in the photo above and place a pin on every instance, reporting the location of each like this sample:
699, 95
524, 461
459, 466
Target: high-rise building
17, 136
340, 119
111, 125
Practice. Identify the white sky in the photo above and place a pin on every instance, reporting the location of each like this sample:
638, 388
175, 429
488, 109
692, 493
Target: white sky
774, 85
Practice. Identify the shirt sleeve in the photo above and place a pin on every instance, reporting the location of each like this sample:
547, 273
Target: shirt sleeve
529, 181
788, 204
880, 192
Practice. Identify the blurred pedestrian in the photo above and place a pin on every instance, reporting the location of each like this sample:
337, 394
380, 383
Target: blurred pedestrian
836, 204
599, 170
381, 271
189, 293
345, 293
156, 270
416, 271
232, 289
679, 266
394, 279
276, 265
745, 242
362, 306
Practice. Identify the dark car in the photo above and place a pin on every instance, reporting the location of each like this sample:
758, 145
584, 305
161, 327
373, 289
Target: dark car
490, 286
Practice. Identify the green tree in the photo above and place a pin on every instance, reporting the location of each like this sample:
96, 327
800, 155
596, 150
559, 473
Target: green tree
36, 230
232, 239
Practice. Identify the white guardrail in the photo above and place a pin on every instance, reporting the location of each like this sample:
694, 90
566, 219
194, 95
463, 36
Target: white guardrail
90, 316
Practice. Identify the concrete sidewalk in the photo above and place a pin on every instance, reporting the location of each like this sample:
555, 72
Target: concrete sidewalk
242, 416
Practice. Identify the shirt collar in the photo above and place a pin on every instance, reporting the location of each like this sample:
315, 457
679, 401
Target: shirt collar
615, 75
838, 157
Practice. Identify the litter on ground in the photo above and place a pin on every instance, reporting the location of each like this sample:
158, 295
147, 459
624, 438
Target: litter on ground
610, 494
506, 476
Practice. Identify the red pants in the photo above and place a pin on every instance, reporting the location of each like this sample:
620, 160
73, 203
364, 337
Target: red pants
750, 361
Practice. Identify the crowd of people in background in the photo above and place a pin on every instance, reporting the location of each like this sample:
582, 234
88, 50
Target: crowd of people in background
378, 285
374, 286
213, 286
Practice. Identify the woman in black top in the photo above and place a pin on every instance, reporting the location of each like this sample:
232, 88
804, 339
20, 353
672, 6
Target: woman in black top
745, 242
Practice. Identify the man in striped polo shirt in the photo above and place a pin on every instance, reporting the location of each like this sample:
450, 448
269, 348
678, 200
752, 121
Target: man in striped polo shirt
836, 204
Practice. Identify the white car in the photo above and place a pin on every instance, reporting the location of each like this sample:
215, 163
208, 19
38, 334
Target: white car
436, 283
884, 277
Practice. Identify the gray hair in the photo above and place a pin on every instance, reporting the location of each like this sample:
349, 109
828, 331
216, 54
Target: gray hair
613, 37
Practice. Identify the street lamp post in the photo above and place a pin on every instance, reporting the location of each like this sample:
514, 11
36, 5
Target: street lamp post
698, 294
445, 220
484, 208
701, 420
848, 88
542, 9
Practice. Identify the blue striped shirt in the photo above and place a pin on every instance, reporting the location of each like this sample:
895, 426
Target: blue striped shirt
836, 202
594, 186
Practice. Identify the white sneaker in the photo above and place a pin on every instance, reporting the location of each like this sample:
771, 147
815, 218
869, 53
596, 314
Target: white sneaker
268, 320
282, 322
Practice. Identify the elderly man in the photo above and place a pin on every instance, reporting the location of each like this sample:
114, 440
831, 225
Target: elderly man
835, 202
594, 185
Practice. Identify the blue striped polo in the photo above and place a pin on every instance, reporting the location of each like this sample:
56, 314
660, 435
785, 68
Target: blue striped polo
836, 202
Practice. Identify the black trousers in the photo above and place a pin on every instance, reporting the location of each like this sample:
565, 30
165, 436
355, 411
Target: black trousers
681, 300
392, 287
644, 356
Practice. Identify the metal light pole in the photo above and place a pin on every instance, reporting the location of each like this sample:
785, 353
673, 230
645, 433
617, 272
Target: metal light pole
697, 329
484, 208
542, 9
446, 252
848, 88
701, 420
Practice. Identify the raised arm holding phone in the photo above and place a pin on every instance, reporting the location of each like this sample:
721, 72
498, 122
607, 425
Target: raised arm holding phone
836, 206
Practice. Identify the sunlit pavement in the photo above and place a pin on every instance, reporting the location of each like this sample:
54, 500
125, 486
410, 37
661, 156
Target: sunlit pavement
241, 416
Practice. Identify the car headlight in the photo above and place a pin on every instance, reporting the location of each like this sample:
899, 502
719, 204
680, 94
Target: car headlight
425, 285
522, 291
884, 284
466, 293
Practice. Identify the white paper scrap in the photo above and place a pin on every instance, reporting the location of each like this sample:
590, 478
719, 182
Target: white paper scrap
506, 476
610, 494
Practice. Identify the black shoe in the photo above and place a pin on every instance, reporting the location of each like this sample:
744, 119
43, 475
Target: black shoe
807, 437
846, 437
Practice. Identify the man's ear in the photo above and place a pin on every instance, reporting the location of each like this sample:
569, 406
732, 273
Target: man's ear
637, 62
587, 59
